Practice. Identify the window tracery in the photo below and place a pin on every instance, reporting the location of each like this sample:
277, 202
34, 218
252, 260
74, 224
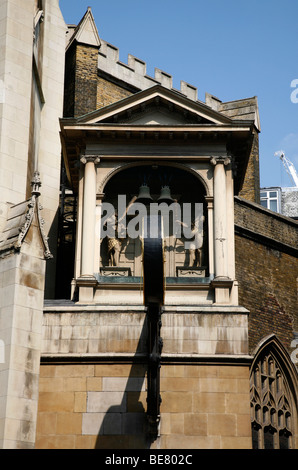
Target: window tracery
271, 405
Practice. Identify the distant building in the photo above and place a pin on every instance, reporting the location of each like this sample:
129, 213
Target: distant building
281, 199
289, 202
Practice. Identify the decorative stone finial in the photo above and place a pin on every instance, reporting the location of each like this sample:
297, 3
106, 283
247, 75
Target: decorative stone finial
36, 184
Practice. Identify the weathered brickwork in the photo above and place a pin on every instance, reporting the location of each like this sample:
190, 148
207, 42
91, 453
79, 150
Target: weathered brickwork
272, 297
108, 93
85, 91
267, 271
276, 228
80, 80
87, 406
86, 79
251, 185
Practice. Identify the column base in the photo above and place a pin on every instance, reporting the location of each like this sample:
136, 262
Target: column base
86, 285
222, 288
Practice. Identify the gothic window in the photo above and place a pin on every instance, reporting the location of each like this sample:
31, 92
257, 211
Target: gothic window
273, 413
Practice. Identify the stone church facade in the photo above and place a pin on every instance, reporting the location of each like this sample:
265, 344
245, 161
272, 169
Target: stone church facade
98, 135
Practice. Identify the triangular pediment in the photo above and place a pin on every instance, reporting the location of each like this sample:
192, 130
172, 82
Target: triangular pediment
156, 106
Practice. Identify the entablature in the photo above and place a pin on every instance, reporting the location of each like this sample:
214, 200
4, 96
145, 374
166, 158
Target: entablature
183, 142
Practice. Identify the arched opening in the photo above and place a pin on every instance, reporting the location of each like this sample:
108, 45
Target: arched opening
273, 388
184, 215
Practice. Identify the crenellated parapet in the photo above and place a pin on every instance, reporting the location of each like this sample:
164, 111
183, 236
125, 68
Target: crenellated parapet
134, 72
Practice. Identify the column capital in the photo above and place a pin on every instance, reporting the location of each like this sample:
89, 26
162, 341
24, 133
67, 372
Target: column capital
223, 160
209, 200
99, 197
89, 158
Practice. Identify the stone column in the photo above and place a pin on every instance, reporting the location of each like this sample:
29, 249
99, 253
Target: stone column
98, 233
87, 280
220, 217
221, 283
209, 201
88, 222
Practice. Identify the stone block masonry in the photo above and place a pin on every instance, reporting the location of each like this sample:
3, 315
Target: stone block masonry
21, 301
93, 386
97, 331
87, 406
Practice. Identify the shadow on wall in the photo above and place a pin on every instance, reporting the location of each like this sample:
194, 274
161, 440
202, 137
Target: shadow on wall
124, 424
50, 274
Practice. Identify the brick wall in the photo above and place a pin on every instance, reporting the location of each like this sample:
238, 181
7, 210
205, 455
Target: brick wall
80, 80
267, 271
108, 92
86, 79
268, 289
85, 90
103, 406
271, 227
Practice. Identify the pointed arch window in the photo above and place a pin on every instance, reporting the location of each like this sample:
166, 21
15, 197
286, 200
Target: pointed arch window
272, 399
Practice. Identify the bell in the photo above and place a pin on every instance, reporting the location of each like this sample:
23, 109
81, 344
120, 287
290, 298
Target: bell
165, 195
144, 194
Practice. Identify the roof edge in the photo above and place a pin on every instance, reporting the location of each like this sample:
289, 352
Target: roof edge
32, 206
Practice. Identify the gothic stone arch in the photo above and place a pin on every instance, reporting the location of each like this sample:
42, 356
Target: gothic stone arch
273, 397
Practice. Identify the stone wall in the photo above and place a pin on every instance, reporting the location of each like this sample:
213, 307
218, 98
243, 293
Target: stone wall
21, 302
93, 385
101, 330
87, 406
15, 83
49, 144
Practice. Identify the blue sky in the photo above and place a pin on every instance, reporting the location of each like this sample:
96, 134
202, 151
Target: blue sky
233, 49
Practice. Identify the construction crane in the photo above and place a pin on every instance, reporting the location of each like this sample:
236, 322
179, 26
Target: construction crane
289, 166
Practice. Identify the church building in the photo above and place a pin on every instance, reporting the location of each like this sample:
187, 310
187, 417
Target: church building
148, 299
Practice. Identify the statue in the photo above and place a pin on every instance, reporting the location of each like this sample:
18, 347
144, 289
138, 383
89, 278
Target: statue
114, 243
114, 249
195, 246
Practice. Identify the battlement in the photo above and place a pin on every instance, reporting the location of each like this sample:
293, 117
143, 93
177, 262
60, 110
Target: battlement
134, 72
